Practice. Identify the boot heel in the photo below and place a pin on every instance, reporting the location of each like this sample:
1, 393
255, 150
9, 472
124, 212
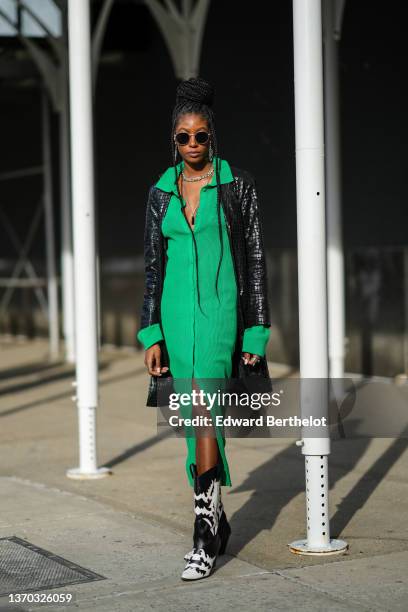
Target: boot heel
224, 540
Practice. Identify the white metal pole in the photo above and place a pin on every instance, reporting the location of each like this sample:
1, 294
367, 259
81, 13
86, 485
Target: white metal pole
67, 256
310, 190
82, 164
98, 304
52, 284
335, 263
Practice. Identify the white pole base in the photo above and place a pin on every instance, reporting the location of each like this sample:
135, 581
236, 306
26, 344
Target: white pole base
300, 547
78, 474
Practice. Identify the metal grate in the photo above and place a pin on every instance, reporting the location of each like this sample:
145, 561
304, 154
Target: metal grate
25, 567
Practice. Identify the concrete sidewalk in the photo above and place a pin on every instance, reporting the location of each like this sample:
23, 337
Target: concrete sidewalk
134, 526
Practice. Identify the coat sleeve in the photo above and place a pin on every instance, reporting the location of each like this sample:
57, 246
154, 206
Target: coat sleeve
258, 305
150, 330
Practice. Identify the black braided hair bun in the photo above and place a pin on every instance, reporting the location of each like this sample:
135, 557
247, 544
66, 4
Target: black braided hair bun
195, 89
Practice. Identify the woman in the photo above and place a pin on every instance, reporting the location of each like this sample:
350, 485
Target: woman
205, 313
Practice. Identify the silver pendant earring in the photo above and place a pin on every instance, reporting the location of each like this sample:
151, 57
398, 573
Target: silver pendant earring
175, 154
210, 152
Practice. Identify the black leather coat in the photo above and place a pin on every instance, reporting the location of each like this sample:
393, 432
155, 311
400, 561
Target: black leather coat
241, 208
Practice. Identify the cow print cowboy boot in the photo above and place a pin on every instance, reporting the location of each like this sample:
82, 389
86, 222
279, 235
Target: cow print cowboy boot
223, 528
206, 537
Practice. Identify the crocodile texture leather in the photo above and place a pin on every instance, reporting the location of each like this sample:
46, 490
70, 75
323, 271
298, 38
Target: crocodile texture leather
242, 212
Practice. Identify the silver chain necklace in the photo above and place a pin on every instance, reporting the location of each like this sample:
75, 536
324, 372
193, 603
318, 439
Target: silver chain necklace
188, 204
191, 179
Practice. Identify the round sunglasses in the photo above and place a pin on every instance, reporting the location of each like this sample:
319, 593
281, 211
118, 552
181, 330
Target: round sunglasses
183, 138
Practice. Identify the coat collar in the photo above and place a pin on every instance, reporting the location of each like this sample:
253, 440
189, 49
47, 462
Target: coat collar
167, 181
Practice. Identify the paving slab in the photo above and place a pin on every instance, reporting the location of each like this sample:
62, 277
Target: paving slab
147, 494
141, 562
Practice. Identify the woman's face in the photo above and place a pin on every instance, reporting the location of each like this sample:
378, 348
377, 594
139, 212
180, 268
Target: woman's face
192, 152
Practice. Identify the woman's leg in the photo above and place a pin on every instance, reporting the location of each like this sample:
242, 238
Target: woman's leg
205, 444
207, 452
211, 528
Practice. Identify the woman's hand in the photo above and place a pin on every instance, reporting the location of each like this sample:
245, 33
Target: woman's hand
250, 358
152, 360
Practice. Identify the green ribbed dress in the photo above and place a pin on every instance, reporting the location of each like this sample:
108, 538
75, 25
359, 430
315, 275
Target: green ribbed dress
200, 345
